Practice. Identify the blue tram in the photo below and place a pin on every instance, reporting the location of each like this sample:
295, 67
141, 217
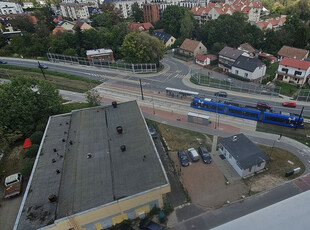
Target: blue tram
247, 112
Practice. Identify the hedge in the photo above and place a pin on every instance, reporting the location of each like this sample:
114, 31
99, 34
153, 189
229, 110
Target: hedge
238, 77
36, 137
32, 151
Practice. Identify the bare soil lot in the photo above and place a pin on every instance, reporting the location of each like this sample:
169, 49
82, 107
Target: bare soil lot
206, 185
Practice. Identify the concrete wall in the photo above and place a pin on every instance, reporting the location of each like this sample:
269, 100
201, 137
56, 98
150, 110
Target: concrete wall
110, 214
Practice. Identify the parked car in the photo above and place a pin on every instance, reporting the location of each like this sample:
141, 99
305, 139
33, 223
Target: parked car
149, 225
153, 132
193, 154
205, 155
289, 104
183, 158
263, 105
220, 94
42, 66
3, 62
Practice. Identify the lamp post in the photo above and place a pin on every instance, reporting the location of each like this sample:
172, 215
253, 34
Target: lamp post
276, 140
216, 112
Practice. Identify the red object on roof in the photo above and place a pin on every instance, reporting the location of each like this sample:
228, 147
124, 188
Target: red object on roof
27, 143
271, 57
295, 63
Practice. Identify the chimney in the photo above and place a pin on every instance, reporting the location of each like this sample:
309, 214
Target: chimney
123, 148
235, 138
114, 104
52, 198
119, 129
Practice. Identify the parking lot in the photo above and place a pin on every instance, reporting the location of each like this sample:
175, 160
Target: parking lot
206, 185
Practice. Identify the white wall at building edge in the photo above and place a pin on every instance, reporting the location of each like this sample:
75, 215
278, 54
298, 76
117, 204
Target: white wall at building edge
258, 73
231, 160
15, 8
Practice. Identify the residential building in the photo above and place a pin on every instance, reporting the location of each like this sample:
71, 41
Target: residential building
270, 57
291, 52
192, 48
249, 67
83, 26
58, 30
168, 39
74, 10
252, 9
150, 12
90, 3
272, 23
125, 6
10, 8
242, 154
250, 50
27, 5
67, 25
292, 70
140, 27
100, 54
228, 56
204, 60
95, 168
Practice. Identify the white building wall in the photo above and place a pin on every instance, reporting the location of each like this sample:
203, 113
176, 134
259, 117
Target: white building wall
125, 6
10, 8
291, 72
75, 11
253, 169
254, 14
258, 72
231, 160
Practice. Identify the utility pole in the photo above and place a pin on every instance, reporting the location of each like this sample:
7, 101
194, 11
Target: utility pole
297, 123
141, 89
41, 68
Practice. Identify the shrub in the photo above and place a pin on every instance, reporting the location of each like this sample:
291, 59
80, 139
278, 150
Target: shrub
32, 151
238, 77
36, 137
27, 168
41, 127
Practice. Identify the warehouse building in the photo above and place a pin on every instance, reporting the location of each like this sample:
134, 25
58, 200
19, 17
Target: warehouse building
95, 168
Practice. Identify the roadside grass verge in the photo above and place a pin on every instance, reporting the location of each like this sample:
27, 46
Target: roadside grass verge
298, 134
286, 89
60, 80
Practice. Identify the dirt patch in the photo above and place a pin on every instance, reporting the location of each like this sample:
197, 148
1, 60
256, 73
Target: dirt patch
206, 185
14, 161
265, 182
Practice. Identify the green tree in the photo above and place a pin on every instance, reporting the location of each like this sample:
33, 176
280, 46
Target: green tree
24, 102
172, 17
136, 12
142, 48
187, 25
22, 23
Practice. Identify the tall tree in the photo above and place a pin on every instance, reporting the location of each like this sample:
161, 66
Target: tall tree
142, 48
136, 12
171, 18
24, 102
187, 25
23, 23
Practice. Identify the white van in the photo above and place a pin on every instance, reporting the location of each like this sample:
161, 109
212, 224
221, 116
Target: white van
193, 154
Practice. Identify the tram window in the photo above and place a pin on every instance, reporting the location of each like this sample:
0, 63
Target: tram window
249, 114
235, 111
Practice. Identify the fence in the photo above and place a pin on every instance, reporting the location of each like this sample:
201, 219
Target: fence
243, 87
135, 68
303, 95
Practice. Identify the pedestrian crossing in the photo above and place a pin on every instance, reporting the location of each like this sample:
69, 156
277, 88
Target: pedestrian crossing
170, 75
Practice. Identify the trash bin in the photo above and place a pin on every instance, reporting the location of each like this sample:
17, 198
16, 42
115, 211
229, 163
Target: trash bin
289, 173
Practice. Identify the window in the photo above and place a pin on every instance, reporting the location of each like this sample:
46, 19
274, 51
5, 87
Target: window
236, 71
246, 74
297, 73
285, 70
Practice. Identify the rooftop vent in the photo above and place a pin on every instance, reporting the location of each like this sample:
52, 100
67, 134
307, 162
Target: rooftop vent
123, 148
119, 129
235, 138
57, 171
114, 104
52, 198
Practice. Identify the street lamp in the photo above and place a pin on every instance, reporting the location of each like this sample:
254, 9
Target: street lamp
276, 140
216, 112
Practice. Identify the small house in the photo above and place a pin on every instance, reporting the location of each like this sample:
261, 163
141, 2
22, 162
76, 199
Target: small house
242, 154
168, 39
292, 52
228, 56
249, 67
192, 48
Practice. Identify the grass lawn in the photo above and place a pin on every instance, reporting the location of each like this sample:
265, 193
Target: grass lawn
278, 164
60, 80
298, 134
272, 69
286, 89
178, 138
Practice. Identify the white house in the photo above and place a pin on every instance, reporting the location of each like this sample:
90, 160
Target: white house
293, 71
10, 8
243, 155
248, 67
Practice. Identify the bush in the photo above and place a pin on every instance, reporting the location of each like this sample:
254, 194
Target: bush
36, 137
32, 151
27, 168
41, 127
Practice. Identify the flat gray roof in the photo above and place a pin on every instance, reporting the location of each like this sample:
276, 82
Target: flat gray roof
88, 182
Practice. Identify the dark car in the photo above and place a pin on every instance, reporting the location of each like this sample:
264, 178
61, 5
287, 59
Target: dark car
220, 94
205, 155
289, 104
153, 132
149, 225
42, 66
263, 105
3, 62
183, 158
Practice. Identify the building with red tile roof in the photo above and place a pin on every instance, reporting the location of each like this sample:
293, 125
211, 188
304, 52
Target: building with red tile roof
272, 23
292, 70
140, 27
